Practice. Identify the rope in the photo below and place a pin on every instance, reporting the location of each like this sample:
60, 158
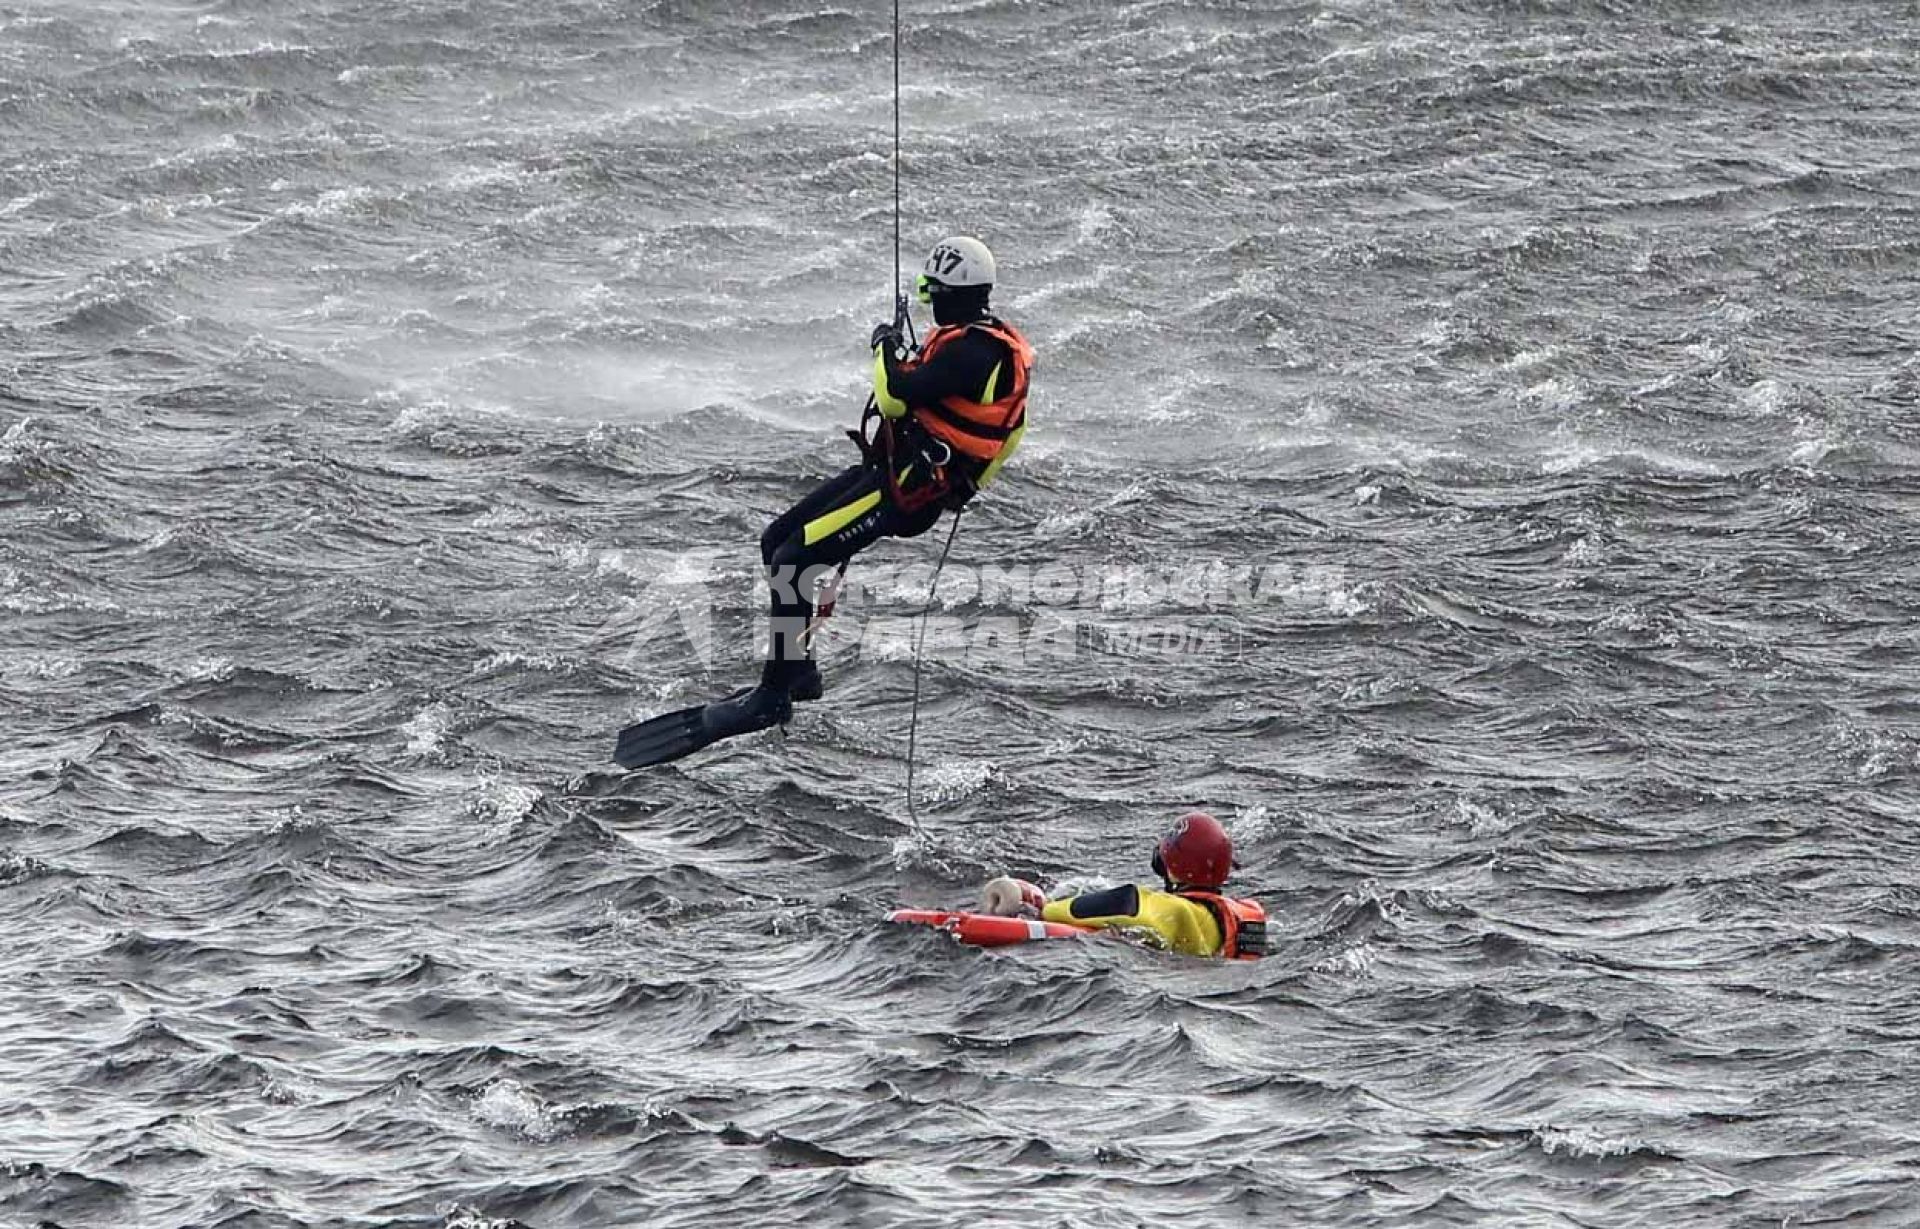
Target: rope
903, 317
899, 289
919, 643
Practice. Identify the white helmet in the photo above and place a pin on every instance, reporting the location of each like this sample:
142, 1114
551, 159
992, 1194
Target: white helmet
959, 261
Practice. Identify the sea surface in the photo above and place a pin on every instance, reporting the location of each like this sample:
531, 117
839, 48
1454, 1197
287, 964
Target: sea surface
1475, 452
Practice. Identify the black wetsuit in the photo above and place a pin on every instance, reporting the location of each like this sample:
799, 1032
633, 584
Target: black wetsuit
854, 509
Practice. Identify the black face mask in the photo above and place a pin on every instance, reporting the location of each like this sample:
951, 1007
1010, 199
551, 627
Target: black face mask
959, 304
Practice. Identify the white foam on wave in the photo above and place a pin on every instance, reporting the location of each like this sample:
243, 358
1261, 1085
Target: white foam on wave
1634, 618
162, 208
421, 417
1585, 1142
635, 928
18, 868
512, 1106
1437, 337
1384, 900
294, 820
1076, 521
1181, 401
1285, 343
1581, 456
1707, 352
1094, 222
510, 659
1478, 818
687, 575
39, 668
1661, 385
332, 203
1872, 754
1251, 825
951, 780
504, 518
14, 444
458, 1217
428, 729
24, 601
1081, 289
1817, 441
1556, 393
208, 670
1733, 313
947, 857
283, 1089
1356, 961
1765, 397
502, 801
1526, 360
1324, 590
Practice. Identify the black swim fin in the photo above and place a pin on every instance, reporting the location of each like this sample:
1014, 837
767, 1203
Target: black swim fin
672, 735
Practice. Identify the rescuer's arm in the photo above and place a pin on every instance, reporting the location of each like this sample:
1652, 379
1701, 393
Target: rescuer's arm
974, 367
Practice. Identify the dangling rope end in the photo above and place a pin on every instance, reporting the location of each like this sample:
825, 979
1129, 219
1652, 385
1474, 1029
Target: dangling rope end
919, 644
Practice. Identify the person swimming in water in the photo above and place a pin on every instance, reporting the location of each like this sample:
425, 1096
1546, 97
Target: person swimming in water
1188, 913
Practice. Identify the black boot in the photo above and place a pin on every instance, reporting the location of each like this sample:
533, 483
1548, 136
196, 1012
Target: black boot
806, 683
747, 711
789, 666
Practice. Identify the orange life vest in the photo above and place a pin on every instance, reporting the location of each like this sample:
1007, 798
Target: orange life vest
1243, 923
973, 428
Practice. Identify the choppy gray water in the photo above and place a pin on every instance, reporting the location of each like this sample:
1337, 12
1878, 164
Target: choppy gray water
384, 381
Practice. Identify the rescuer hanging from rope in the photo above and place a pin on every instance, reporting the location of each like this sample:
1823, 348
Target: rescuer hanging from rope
942, 420
939, 426
943, 423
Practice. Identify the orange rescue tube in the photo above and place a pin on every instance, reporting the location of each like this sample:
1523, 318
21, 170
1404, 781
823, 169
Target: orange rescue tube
985, 929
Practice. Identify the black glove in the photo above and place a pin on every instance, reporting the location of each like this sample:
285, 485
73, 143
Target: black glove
887, 334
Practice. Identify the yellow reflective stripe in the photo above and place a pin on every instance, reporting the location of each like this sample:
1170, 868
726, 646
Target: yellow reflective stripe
992, 470
833, 522
890, 405
993, 382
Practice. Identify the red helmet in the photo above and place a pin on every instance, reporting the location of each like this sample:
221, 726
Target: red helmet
1197, 853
